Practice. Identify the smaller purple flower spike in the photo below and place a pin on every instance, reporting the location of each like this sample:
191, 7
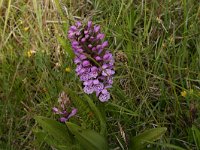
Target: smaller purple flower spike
67, 117
95, 63
64, 102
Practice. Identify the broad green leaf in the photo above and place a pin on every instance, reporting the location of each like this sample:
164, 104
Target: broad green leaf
140, 141
171, 146
65, 44
88, 139
196, 135
55, 129
42, 136
166, 145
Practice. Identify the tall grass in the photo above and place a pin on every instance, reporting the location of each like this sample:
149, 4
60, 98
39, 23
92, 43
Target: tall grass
157, 52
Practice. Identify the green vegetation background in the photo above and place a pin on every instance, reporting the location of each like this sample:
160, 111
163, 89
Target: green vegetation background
156, 44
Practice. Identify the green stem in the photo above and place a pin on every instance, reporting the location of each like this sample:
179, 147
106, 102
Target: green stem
99, 115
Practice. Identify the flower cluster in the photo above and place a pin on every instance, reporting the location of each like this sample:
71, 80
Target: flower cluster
94, 63
64, 101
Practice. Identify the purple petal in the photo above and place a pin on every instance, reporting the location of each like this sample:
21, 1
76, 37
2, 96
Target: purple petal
96, 81
96, 29
78, 68
89, 24
73, 112
82, 57
98, 58
108, 72
98, 87
87, 36
110, 81
90, 46
73, 28
88, 89
104, 91
104, 97
107, 56
100, 36
63, 119
78, 24
83, 40
93, 74
112, 61
86, 32
80, 50
81, 71
92, 38
105, 44
85, 63
55, 110
71, 35
77, 60
94, 49
63, 112
85, 77
88, 83
78, 33
99, 47
94, 68
105, 66
75, 43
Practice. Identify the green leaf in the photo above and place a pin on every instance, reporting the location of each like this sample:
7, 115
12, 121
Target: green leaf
55, 129
65, 44
88, 139
171, 146
166, 145
42, 136
140, 141
196, 136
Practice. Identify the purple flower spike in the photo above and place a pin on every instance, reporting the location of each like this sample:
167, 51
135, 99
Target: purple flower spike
94, 62
62, 110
